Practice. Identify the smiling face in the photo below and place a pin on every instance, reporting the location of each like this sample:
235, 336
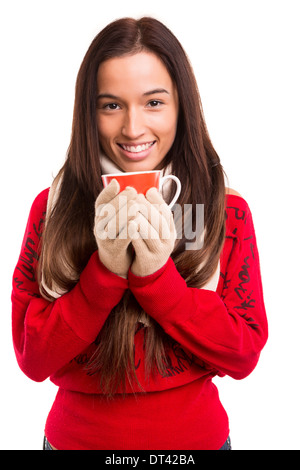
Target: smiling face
137, 111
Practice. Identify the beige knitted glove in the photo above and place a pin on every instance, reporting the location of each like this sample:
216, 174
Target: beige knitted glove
113, 211
153, 234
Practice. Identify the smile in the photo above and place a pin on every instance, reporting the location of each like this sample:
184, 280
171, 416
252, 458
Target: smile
137, 148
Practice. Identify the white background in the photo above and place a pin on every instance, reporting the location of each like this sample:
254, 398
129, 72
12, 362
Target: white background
245, 55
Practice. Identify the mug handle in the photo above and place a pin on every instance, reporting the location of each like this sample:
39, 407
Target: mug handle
178, 190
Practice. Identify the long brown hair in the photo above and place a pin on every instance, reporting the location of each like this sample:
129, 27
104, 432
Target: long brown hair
68, 240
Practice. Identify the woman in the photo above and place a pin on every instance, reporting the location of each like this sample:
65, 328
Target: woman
133, 330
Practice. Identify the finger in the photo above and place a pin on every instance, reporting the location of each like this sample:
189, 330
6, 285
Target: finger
108, 193
111, 192
152, 213
139, 246
113, 206
146, 230
123, 216
147, 234
154, 197
133, 233
138, 243
111, 222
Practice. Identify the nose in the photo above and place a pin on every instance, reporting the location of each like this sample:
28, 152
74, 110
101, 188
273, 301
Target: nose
133, 125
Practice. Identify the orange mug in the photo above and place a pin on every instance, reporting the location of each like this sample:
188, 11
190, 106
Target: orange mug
142, 181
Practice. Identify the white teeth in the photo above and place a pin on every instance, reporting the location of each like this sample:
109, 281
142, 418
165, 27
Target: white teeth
138, 148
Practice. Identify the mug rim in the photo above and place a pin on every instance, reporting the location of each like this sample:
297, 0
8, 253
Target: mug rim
129, 173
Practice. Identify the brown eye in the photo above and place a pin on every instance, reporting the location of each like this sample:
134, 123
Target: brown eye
154, 103
111, 106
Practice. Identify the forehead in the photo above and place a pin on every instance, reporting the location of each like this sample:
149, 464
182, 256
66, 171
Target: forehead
141, 72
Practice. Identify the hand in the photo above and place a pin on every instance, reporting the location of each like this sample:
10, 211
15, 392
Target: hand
113, 211
153, 234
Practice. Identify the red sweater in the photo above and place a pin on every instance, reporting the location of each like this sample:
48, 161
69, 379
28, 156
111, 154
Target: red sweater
214, 333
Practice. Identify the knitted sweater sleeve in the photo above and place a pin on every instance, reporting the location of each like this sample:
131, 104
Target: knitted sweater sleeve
47, 335
226, 329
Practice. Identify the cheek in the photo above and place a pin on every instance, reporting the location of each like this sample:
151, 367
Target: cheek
168, 130
106, 128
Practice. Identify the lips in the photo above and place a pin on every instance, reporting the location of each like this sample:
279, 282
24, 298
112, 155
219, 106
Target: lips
138, 148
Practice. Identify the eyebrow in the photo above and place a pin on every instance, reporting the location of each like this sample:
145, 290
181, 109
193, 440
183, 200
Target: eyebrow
157, 90
147, 93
